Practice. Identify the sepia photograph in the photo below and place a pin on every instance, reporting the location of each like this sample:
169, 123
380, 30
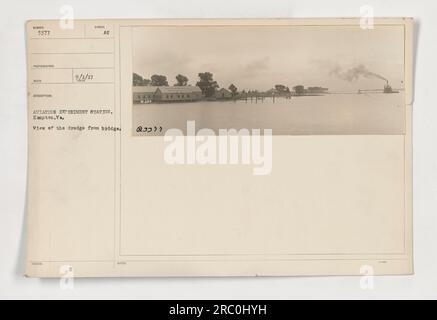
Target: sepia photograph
218, 158
294, 80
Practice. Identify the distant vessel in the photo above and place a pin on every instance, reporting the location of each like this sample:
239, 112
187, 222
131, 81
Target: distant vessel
388, 88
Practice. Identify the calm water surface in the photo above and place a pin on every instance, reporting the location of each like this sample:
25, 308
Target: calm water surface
330, 114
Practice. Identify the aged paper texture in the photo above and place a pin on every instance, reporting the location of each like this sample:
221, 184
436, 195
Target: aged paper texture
219, 147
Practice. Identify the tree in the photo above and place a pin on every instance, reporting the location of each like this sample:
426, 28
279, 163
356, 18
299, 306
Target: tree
181, 80
300, 90
282, 90
207, 84
138, 80
233, 89
158, 80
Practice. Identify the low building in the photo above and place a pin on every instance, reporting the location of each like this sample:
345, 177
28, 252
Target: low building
223, 94
242, 95
177, 94
143, 94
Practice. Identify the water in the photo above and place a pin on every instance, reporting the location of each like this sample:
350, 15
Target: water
330, 114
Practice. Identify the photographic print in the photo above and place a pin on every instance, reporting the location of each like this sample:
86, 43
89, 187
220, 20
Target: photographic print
299, 79
220, 147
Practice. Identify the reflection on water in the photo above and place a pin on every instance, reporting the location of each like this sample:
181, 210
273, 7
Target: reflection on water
329, 114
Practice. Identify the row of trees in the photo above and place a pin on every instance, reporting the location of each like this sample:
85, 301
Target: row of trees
283, 90
206, 82
208, 85
155, 80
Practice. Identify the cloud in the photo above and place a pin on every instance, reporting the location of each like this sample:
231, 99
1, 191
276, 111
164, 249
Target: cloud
256, 66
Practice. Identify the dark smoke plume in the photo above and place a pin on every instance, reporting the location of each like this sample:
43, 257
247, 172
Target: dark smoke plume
354, 73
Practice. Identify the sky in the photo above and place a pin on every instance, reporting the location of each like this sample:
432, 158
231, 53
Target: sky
258, 58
